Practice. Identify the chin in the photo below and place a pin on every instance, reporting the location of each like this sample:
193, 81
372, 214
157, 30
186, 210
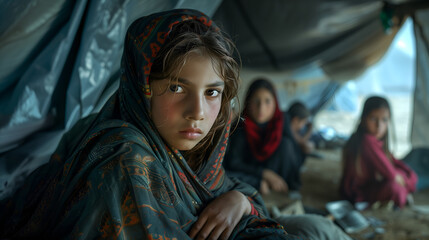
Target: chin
185, 146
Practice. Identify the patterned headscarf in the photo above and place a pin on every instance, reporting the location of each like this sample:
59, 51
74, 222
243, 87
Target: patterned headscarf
112, 176
144, 39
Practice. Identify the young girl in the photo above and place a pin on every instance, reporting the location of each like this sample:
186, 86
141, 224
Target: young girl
148, 165
263, 151
370, 172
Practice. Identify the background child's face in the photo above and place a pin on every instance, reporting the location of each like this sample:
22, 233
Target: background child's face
185, 111
377, 121
262, 106
297, 123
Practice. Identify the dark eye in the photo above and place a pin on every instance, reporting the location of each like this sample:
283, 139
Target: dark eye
175, 88
213, 92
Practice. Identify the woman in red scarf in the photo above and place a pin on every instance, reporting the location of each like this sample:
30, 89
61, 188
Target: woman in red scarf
263, 151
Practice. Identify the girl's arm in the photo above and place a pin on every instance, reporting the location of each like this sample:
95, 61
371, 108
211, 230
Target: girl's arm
303, 141
253, 196
219, 218
372, 153
239, 206
402, 166
410, 177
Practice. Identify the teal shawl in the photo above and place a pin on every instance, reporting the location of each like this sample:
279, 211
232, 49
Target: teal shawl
112, 175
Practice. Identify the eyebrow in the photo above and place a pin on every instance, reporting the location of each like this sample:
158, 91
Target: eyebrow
215, 84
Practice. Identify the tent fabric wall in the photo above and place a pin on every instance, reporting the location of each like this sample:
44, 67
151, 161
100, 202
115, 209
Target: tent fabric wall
33, 48
285, 40
420, 124
285, 35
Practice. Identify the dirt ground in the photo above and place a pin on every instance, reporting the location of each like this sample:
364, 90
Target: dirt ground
320, 179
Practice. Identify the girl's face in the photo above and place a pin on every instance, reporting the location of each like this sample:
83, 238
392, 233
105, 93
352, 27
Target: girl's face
262, 106
377, 122
184, 111
296, 123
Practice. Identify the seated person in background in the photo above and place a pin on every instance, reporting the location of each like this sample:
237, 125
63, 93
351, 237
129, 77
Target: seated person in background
262, 150
370, 172
301, 128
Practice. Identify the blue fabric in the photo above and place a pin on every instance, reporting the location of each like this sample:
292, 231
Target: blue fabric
418, 160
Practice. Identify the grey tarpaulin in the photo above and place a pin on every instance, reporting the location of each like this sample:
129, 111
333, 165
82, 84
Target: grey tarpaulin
420, 125
308, 48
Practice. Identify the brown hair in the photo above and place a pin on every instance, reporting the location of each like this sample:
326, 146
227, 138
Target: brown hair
299, 110
193, 37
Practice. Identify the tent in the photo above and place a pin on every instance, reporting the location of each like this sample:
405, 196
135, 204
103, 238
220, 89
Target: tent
59, 60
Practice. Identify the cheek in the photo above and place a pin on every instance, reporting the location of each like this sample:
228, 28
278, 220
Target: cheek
255, 110
385, 125
368, 124
272, 109
161, 116
252, 111
162, 110
213, 110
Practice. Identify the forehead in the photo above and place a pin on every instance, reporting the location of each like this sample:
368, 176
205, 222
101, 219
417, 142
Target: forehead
262, 93
197, 69
380, 112
197, 55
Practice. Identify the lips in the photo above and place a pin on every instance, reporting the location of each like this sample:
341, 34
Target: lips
191, 133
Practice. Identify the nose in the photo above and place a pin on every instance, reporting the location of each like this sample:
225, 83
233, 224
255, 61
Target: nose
194, 107
260, 107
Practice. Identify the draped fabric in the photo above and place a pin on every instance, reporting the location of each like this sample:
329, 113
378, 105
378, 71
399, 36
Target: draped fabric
112, 175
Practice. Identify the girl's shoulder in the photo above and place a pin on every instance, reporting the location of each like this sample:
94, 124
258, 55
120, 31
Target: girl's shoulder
371, 142
111, 133
129, 132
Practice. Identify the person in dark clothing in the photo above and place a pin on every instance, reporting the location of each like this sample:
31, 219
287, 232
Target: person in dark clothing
301, 128
266, 149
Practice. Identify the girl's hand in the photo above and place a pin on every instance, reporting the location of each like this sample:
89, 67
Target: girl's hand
308, 147
221, 216
400, 179
264, 188
275, 182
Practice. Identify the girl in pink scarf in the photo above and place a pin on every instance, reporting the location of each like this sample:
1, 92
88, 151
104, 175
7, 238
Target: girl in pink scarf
370, 172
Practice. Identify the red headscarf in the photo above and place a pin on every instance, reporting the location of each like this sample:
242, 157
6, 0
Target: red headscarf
264, 141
